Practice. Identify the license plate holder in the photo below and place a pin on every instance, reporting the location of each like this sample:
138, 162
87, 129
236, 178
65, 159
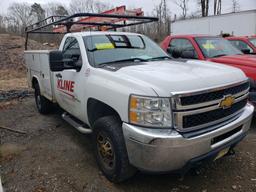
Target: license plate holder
222, 153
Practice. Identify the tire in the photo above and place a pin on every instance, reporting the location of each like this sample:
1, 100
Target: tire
44, 106
110, 149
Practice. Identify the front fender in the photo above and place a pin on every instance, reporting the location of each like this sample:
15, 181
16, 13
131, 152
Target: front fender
106, 87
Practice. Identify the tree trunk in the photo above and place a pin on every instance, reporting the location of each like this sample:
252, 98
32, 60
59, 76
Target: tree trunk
207, 8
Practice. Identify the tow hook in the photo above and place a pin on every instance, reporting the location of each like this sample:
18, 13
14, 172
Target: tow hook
231, 152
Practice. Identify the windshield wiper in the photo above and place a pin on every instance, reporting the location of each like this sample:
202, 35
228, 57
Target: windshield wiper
123, 60
220, 55
160, 58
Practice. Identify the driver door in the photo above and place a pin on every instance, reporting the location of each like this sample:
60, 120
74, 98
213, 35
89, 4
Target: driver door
67, 91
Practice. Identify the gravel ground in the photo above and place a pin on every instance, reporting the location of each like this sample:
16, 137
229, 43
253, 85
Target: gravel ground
51, 156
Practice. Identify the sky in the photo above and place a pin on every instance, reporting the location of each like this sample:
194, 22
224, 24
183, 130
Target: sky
147, 5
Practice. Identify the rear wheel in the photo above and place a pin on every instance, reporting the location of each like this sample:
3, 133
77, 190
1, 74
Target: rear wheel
44, 106
110, 149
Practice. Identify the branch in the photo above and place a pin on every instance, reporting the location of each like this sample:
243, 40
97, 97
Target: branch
12, 130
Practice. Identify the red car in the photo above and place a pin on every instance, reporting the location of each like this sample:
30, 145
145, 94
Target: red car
247, 44
212, 48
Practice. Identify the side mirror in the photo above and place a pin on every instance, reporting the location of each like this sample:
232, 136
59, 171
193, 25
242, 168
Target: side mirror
169, 50
56, 61
246, 51
175, 53
188, 54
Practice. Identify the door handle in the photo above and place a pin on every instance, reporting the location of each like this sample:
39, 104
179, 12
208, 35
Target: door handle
58, 75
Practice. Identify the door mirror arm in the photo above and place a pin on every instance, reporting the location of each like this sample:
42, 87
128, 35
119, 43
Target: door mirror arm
246, 51
71, 64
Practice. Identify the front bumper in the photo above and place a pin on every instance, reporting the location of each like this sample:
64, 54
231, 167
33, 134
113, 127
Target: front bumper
163, 150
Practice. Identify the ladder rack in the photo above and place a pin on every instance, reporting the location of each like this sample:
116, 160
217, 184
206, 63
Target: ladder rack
83, 21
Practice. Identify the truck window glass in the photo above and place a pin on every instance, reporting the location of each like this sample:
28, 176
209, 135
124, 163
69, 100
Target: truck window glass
71, 50
181, 45
253, 41
216, 47
241, 45
109, 48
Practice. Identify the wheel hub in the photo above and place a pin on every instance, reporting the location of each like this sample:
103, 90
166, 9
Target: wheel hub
105, 151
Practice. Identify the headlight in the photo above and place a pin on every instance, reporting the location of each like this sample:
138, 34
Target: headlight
150, 111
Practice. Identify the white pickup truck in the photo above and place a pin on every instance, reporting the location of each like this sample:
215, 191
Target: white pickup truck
145, 111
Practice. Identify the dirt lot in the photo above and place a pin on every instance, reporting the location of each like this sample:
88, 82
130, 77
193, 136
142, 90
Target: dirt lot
51, 156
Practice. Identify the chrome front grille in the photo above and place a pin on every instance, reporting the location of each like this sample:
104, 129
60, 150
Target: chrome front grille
215, 95
202, 109
211, 116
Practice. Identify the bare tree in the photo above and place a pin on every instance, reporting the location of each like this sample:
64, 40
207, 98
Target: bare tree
92, 6
100, 6
183, 5
204, 5
11, 25
156, 30
55, 9
235, 6
217, 7
20, 13
61, 10
2, 27
160, 29
38, 11
77, 6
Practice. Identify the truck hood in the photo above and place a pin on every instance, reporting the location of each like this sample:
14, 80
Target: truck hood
167, 77
245, 60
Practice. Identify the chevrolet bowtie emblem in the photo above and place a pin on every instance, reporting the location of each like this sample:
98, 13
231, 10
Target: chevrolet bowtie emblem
227, 101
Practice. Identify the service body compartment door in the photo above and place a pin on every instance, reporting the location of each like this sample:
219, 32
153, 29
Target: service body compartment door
32, 61
46, 86
38, 66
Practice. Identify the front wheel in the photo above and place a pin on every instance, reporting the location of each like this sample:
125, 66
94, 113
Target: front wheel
44, 106
110, 149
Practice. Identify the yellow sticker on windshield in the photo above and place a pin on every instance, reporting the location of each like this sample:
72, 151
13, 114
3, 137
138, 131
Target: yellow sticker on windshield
208, 46
102, 46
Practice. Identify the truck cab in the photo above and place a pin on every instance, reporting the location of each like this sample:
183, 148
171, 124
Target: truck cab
246, 44
214, 49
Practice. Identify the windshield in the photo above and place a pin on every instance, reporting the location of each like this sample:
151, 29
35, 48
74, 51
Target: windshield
104, 49
216, 47
253, 41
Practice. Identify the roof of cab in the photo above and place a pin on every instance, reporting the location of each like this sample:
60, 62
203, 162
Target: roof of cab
192, 36
240, 37
89, 33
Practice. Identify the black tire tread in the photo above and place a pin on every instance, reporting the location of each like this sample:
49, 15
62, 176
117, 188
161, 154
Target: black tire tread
46, 105
112, 125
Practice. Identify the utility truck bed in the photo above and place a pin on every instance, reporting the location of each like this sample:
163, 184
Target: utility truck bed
38, 65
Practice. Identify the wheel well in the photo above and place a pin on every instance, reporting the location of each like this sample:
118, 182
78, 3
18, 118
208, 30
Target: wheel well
97, 109
34, 82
